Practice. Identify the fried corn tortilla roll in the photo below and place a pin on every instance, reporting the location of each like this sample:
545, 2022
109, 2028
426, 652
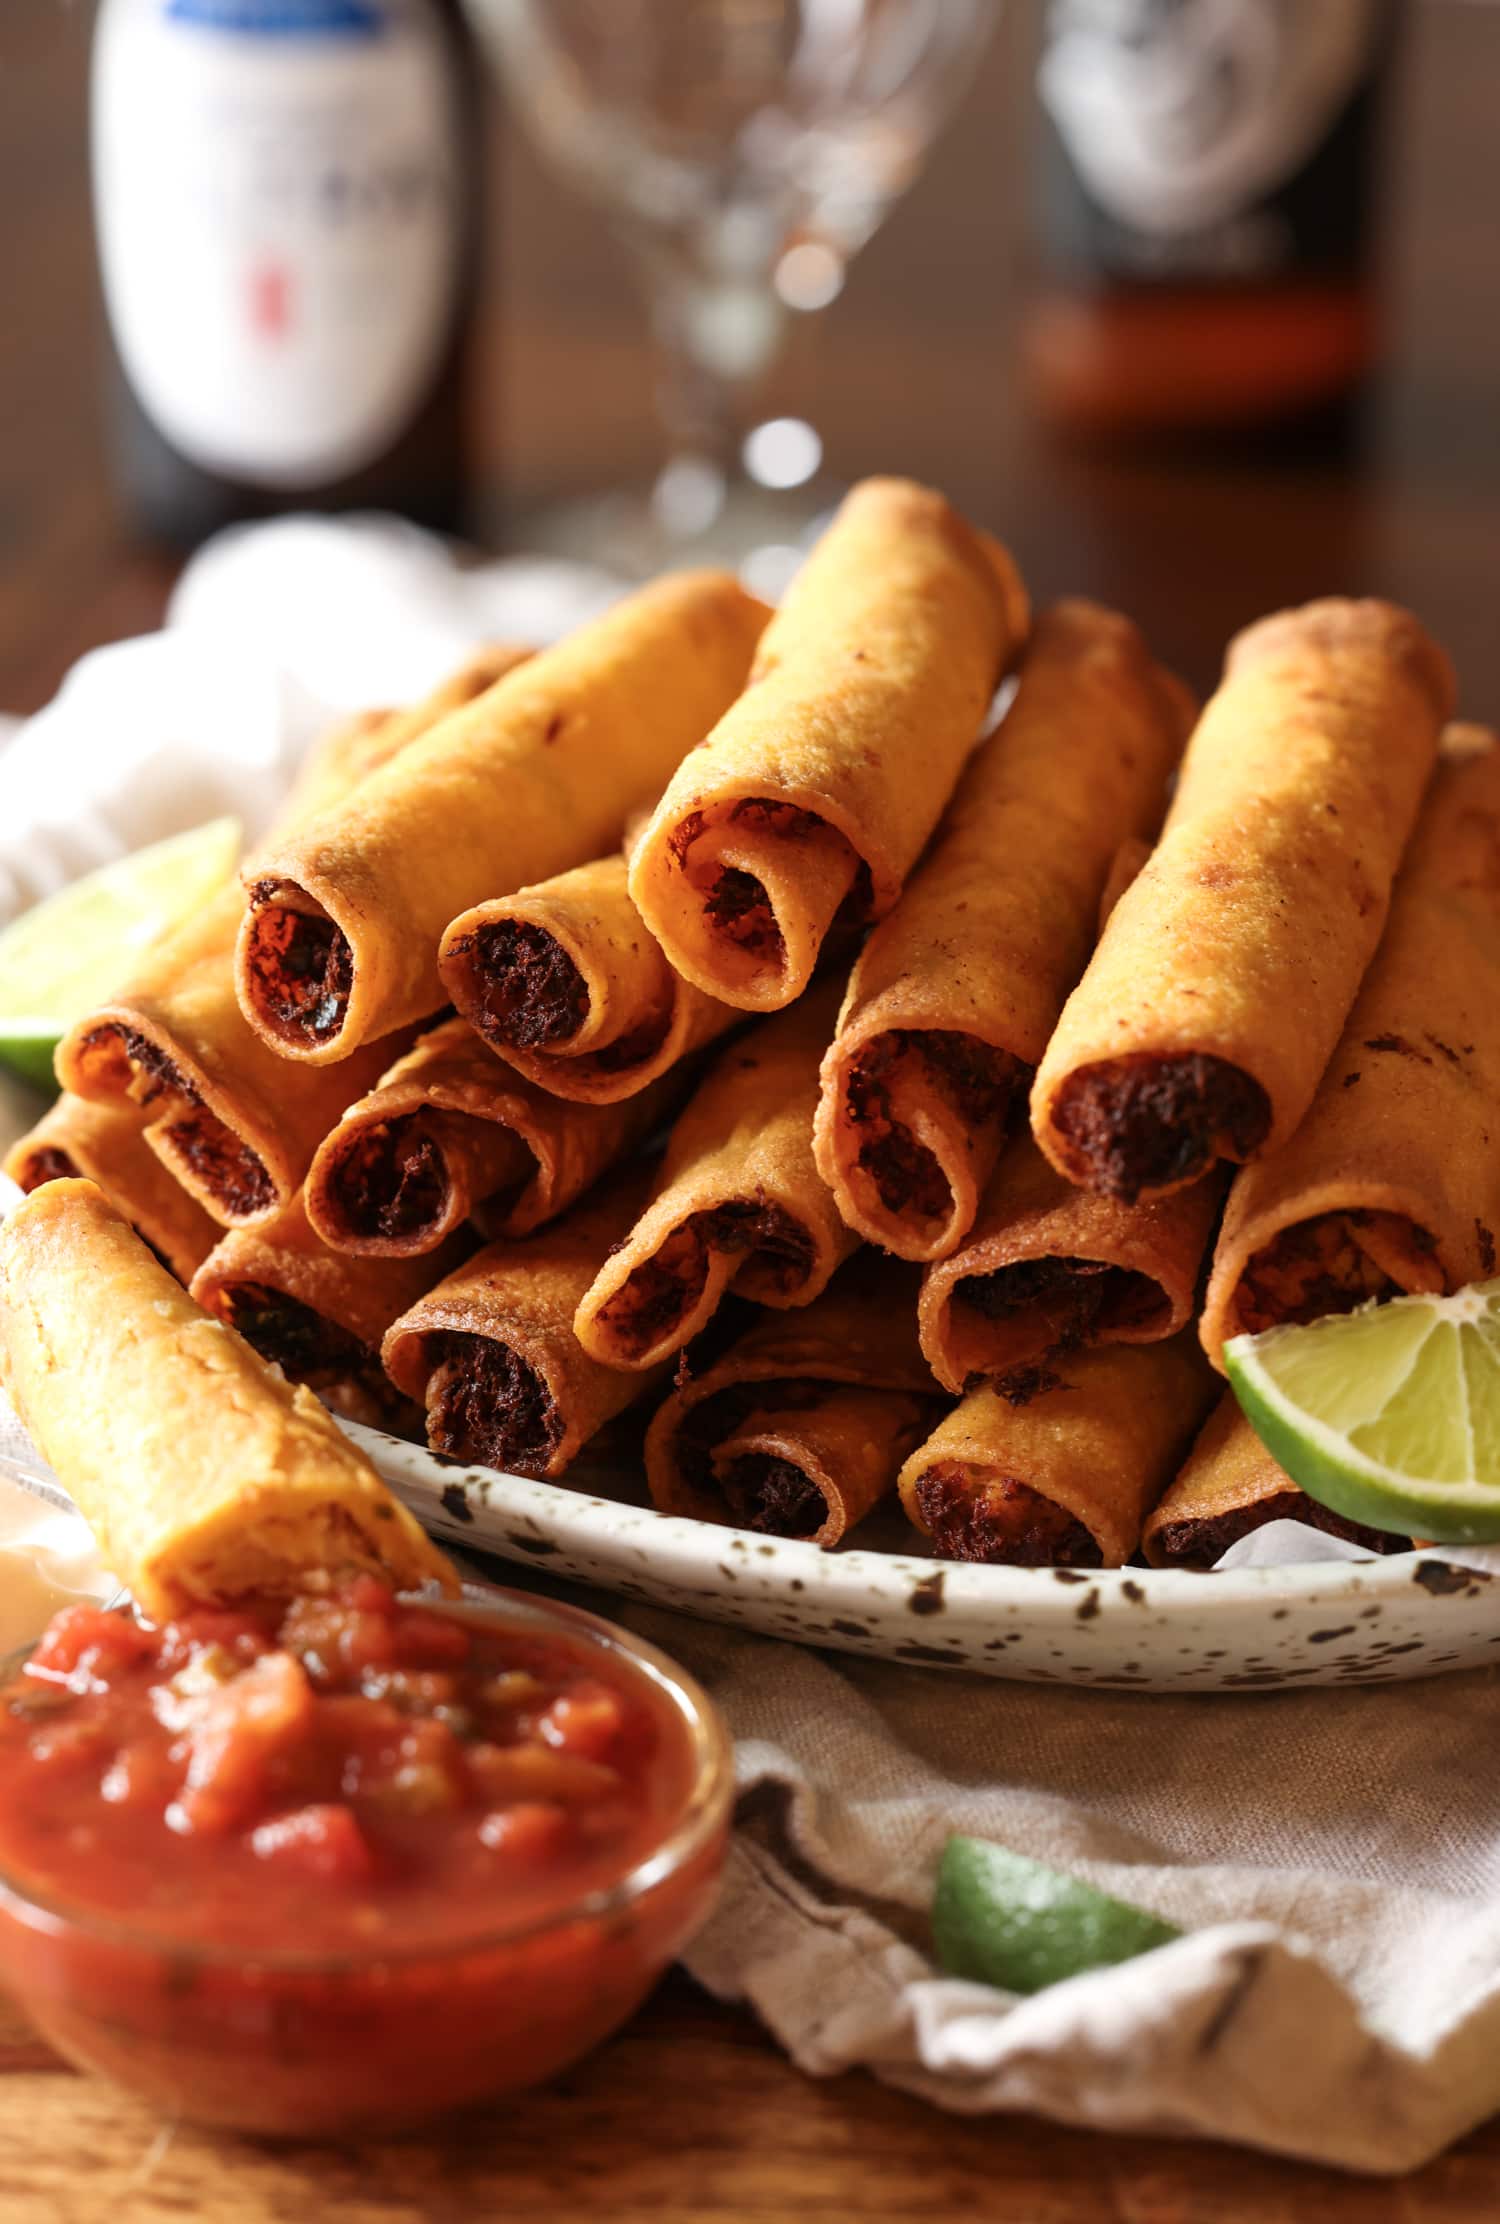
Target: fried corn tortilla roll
737, 1204
1230, 1485
1392, 1182
340, 937
319, 1315
564, 982
202, 1473
813, 796
449, 1135
954, 997
225, 1115
800, 1428
1225, 974
1063, 1472
106, 1144
1048, 1267
491, 1354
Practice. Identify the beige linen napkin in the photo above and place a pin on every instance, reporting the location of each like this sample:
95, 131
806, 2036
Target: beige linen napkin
1334, 1855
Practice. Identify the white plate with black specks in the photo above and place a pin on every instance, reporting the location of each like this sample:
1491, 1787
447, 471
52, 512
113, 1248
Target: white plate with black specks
1335, 1622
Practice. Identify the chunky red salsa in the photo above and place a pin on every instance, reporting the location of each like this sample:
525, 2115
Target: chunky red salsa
347, 1772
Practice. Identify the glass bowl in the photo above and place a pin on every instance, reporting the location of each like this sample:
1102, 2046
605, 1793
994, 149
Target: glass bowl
306, 2045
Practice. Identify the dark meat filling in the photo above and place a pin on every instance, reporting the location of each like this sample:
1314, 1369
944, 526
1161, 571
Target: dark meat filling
1319, 1266
666, 1287
227, 1168
715, 1418
48, 1165
485, 1404
1198, 1544
302, 967
773, 1496
1000, 1520
976, 1078
1143, 1122
1074, 1294
530, 993
311, 1349
740, 908
392, 1181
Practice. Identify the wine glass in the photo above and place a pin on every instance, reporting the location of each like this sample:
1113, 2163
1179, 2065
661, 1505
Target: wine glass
745, 150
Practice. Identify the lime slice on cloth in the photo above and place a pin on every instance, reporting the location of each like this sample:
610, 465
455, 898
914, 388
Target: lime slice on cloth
1391, 1415
1002, 1919
72, 951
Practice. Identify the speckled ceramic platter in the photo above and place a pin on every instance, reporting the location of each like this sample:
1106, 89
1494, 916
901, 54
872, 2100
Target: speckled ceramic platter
1252, 1629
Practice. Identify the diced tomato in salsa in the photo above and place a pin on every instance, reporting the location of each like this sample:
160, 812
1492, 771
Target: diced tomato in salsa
345, 1769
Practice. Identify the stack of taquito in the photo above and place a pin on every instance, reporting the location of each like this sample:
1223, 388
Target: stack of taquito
582, 1038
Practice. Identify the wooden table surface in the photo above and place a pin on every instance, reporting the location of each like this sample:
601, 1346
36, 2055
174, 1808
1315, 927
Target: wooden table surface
692, 2114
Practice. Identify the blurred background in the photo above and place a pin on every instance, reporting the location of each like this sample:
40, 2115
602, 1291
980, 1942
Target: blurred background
1310, 416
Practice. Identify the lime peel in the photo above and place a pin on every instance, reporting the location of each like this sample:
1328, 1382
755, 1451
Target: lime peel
1000, 1918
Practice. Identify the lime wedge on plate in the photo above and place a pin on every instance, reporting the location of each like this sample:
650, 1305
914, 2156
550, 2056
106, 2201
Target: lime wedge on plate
1002, 1919
1391, 1415
74, 950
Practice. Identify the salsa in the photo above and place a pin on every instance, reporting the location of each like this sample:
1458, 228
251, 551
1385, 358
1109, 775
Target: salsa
343, 1771
297, 1866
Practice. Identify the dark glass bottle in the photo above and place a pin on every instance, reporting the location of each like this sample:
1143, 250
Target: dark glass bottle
287, 198
1208, 203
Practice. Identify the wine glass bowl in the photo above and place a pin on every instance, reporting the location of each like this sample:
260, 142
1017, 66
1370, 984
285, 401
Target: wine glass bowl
745, 150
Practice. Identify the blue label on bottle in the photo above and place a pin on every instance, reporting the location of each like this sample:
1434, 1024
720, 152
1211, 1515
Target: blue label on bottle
359, 19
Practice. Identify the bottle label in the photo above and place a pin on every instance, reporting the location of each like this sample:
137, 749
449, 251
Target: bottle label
1209, 138
277, 203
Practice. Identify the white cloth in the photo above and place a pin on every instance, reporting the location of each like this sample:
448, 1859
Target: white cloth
1334, 1855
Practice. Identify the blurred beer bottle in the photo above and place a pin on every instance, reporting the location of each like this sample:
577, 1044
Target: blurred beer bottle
1208, 193
286, 198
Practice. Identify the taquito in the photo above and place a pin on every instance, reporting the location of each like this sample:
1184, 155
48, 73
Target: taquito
106, 1144
811, 799
319, 1315
564, 982
1048, 1267
203, 1475
340, 936
351, 751
1229, 1486
491, 1354
800, 1428
228, 1118
1063, 1472
737, 1205
1220, 985
1392, 1182
449, 1135
954, 997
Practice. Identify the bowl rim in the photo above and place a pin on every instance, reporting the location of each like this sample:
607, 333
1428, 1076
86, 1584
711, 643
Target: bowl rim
704, 1811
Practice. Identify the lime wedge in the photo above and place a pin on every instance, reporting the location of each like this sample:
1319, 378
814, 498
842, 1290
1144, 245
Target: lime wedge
74, 950
1005, 1920
1391, 1415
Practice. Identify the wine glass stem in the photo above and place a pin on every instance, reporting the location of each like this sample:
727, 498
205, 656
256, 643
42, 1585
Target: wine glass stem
715, 335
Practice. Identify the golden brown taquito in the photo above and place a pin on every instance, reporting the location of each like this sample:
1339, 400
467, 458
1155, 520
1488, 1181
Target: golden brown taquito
812, 798
202, 1473
800, 1428
106, 1144
1063, 1472
340, 936
1392, 1182
227, 1117
564, 982
350, 752
491, 1354
1221, 983
1048, 1267
737, 1204
954, 997
319, 1315
450, 1135
1229, 1486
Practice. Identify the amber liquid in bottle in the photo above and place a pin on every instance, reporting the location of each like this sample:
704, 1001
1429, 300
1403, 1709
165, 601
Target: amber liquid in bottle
1207, 191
